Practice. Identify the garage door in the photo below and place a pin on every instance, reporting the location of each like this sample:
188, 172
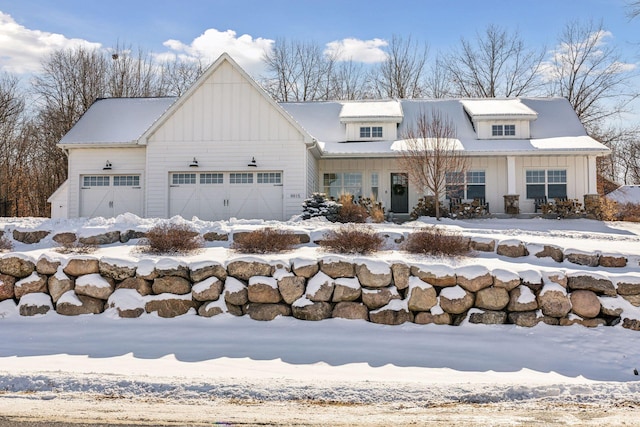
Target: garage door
223, 195
110, 195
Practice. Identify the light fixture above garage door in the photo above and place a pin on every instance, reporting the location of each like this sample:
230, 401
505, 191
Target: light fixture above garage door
253, 163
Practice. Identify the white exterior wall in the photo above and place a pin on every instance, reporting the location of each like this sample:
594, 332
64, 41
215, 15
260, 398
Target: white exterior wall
483, 129
389, 131
224, 124
91, 161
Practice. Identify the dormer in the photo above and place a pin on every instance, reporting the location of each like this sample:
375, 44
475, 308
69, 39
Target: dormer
371, 120
500, 118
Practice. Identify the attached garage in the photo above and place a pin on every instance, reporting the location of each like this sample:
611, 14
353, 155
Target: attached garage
223, 195
110, 195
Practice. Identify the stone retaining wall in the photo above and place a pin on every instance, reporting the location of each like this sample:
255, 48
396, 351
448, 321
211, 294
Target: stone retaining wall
377, 291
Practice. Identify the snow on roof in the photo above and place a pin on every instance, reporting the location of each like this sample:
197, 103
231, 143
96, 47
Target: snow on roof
389, 110
489, 108
116, 121
625, 194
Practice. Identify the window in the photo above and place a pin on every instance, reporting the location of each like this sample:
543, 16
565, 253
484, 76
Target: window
183, 178
465, 186
503, 130
336, 184
371, 132
546, 183
376, 131
96, 181
126, 181
269, 178
365, 132
496, 130
241, 178
211, 178
374, 185
510, 130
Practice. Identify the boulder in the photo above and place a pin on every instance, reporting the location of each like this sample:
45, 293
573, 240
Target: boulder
505, 279
58, 284
235, 293
401, 273
16, 266
291, 288
139, 284
376, 298
483, 245
127, 235
526, 319
36, 283
101, 239
243, 269
522, 299
7, 284
613, 261
128, 303
146, 269
263, 290
559, 278
456, 300
306, 309
320, 288
336, 268
394, 313
628, 288
94, 285
492, 299
435, 275
168, 268
350, 310
29, 237
473, 277
65, 239
81, 266
168, 305
589, 323
585, 304
212, 308
305, 268
111, 269
553, 252
632, 299
581, 258
47, 266
171, 285
207, 290
346, 289
610, 310
215, 237
302, 238
594, 283
426, 318
259, 311
488, 317
553, 301
34, 304
532, 279
200, 272
374, 274
422, 296
512, 249
71, 304
633, 324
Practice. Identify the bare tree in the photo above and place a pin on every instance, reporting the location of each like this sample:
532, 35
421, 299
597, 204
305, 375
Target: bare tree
633, 8
176, 76
131, 74
431, 151
496, 64
437, 83
349, 81
401, 74
12, 108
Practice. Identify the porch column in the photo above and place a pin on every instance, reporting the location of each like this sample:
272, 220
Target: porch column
511, 175
592, 187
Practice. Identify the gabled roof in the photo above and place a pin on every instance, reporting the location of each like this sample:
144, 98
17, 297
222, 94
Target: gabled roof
625, 194
496, 108
116, 121
371, 111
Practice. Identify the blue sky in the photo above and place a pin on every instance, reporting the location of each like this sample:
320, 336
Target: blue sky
29, 29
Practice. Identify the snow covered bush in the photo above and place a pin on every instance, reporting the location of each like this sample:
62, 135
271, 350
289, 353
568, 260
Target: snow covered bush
352, 239
319, 205
265, 240
435, 241
168, 238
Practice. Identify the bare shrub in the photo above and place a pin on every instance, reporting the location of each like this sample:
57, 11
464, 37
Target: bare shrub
265, 240
629, 212
5, 243
77, 248
375, 211
435, 241
350, 211
608, 210
352, 239
168, 238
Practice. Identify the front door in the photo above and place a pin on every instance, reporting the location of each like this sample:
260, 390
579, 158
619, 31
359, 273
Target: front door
399, 193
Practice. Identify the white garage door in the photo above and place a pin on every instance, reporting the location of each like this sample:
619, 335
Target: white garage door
222, 195
110, 195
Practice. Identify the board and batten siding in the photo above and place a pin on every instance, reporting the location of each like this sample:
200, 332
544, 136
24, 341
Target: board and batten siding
91, 161
224, 124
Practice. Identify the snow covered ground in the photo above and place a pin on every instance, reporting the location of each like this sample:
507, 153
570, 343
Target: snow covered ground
200, 371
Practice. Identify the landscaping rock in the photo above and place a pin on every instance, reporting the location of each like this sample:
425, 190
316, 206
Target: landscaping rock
376, 298
492, 299
215, 237
522, 299
58, 284
553, 252
235, 293
7, 284
128, 303
94, 285
489, 317
29, 237
168, 268
346, 289
581, 258
36, 283
171, 285
401, 273
422, 296
81, 266
236, 310
305, 309
65, 239
473, 278
532, 279
585, 304
435, 275
291, 288
110, 268
305, 268
456, 300
350, 310
127, 235
139, 284
244, 270
483, 245
267, 311
336, 268
200, 272
526, 319
395, 313
612, 261
34, 304
628, 288
512, 249
553, 301
597, 284
170, 305
47, 266
263, 290
426, 318
378, 278
633, 299
16, 266
320, 288
506, 279
213, 308
71, 304
633, 324
101, 239
207, 290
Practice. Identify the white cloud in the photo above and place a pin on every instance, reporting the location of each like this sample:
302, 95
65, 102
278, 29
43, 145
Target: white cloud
22, 49
246, 50
367, 51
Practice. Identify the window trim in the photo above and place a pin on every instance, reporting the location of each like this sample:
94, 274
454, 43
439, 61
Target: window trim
344, 186
470, 178
558, 178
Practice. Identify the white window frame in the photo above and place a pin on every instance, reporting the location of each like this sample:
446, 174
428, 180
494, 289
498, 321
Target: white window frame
546, 178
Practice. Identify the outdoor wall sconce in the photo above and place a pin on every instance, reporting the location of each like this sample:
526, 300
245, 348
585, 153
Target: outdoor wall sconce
107, 166
194, 163
253, 163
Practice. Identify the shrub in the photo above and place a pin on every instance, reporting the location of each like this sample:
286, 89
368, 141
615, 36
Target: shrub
5, 244
352, 239
608, 210
265, 240
350, 211
319, 205
427, 207
435, 241
169, 238
77, 248
629, 212
374, 208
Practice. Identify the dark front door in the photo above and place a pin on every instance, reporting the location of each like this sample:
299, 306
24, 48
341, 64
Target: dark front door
399, 193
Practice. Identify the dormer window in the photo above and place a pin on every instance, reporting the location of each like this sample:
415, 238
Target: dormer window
503, 130
371, 132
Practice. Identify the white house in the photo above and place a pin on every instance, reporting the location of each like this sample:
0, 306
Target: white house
226, 149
